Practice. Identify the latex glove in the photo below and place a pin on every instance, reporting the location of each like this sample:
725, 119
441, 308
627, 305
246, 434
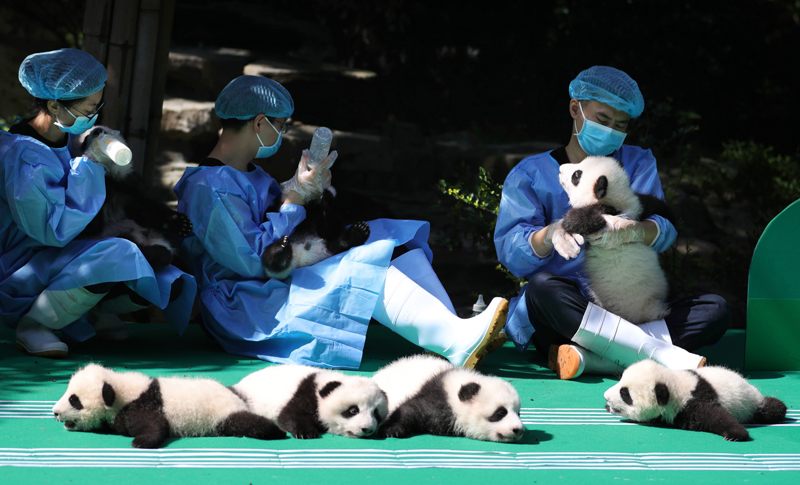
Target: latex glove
566, 244
619, 230
307, 183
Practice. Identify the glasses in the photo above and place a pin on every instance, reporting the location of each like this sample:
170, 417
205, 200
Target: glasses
93, 114
285, 126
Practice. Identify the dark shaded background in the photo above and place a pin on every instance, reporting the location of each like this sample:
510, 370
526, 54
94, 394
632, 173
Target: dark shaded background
713, 75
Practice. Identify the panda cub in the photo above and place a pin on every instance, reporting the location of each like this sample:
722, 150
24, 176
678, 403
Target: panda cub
128, 212
150, 410
319, 236
626, 280
429, 395
710, 398
307, 401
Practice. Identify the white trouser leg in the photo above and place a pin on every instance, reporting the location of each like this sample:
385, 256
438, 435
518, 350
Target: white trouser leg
419, 317
416, 266
52, 310
56, 309
620, 341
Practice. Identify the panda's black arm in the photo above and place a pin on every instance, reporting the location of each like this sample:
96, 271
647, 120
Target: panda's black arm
143, 419
299, 415
653, 206
586, 220
427, 412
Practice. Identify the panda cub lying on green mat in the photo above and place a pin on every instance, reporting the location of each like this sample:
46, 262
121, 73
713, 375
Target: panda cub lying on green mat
150, 410
711, 398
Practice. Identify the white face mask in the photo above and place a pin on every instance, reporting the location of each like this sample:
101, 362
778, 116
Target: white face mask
82, 123
267, 151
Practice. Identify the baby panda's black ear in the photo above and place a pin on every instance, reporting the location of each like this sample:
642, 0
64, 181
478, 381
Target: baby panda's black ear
601, 187
468, 391
108, 394
329, 388
662, 394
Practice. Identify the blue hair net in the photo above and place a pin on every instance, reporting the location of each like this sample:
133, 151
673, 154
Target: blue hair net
246, 97
610, 86
62, 74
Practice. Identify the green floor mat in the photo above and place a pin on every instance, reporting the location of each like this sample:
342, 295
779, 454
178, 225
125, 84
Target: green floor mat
569, 435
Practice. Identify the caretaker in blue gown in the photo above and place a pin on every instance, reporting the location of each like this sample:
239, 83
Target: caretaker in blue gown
318, 315
553, 311
49, 278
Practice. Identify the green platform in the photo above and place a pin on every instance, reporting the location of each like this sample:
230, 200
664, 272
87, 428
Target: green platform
569, 437
773, 296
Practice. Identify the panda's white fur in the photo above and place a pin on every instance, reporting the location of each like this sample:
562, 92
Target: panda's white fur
626, 280
711, 398
429, 395
307, 401
133, 404
319, 236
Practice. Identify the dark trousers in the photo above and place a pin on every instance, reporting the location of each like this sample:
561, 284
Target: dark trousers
556, 307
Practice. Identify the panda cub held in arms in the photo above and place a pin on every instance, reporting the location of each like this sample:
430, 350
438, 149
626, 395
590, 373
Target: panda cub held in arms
128, 212
307, 401
429, 395
150, 410
626, 280
319, 236
710, 398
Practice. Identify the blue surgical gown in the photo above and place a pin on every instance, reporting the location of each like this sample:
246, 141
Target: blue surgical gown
48, 198
319, 314
533, 198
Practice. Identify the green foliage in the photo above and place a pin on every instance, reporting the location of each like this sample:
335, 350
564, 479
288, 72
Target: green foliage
475, 207
474, 203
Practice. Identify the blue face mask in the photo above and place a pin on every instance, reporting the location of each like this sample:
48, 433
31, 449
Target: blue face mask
82, 123
598, 140
268, 151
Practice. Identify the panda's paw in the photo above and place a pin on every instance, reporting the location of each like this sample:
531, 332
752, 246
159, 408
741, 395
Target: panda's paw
357, 234
306, 433
277, 257
178, 225
736, 435
393, 431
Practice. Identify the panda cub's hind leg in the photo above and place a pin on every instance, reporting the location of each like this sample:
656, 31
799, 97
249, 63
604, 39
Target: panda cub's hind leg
353, 236
277, 257
250, 425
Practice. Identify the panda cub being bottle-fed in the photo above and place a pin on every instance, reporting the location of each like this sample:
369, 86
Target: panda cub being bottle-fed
429, 395
128, 212
150, 410
711, 398
626, 280
319, 236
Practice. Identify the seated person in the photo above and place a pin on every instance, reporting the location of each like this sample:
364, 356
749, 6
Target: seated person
553, 310
319, 314
50, 278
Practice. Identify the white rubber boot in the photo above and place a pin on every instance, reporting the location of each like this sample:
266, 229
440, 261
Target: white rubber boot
620, 341
416, 266
52, 310
419, 317
39, 341
108, 326
570, 361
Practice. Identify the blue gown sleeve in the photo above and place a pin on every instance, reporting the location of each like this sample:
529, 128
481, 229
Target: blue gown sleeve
48, 205
226, 226
645, 180
521, 213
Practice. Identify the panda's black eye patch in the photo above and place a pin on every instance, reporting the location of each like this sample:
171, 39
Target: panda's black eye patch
350, 412
576, 177
625, 394
75, 401
499, 414
377, 415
